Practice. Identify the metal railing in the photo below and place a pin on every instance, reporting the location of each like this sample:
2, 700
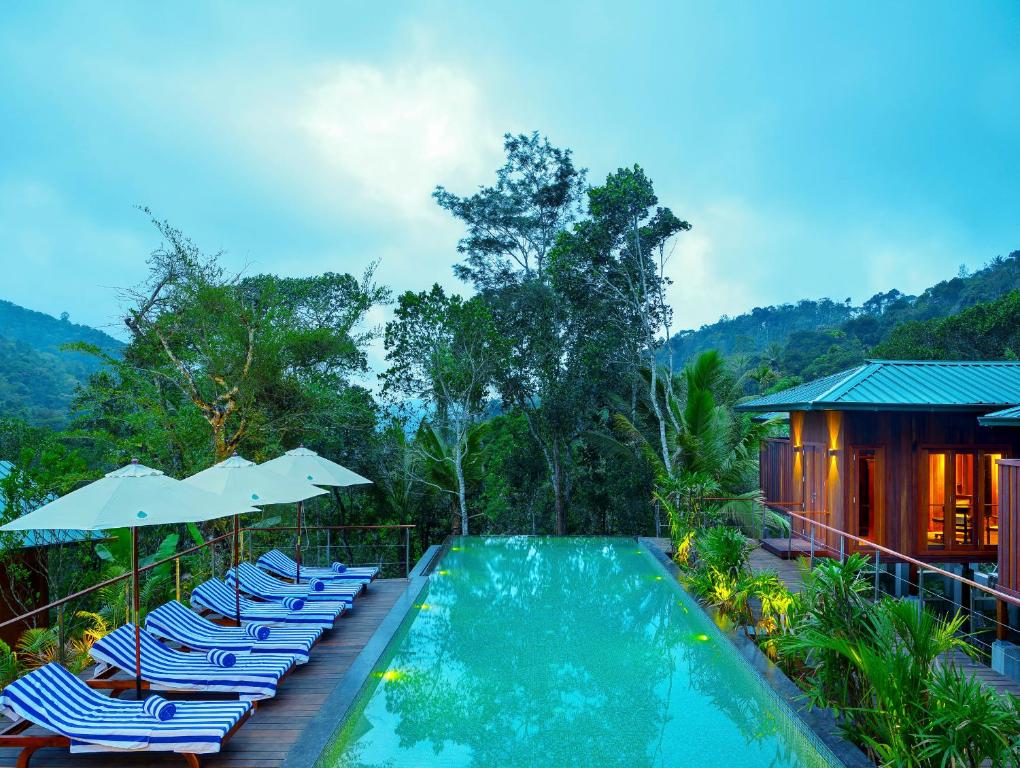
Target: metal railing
193, 565
899, 574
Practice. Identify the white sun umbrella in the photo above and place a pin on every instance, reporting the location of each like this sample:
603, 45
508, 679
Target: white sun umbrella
238, 481
303, 464
130, 497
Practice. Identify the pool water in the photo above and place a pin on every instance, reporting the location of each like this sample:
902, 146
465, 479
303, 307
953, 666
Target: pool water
562, 652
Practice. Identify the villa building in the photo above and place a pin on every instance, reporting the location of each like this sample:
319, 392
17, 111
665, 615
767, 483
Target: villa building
920, 457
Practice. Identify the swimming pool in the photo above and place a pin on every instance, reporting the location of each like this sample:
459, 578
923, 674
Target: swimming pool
558, 652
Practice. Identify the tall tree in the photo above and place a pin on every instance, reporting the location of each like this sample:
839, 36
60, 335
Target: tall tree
620, 251
443, 352
512, 228
259, 358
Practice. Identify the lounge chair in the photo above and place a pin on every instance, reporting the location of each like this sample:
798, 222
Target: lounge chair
250, 677
215, 597
172, 621
85, 720
261, 585
285, 567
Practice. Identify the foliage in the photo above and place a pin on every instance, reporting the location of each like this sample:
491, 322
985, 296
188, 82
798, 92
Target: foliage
987, 331
38, 375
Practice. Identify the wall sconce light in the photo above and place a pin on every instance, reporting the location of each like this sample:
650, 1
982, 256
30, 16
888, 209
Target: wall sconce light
798, 448
833, 451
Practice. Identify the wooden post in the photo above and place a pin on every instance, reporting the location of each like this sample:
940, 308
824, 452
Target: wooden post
297, 548
1001, 620
136, 601
878, 572
237, 568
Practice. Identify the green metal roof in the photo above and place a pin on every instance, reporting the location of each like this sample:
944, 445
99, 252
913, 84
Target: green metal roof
903, 385
1009, 417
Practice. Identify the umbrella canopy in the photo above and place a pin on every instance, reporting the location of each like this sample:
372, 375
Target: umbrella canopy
309, 466
131, 496
239, 481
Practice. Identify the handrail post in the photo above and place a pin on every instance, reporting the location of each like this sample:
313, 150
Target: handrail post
920, 589
60, 633
842, 542
177, 562
764, 524
877, 572
811, 537
407, 552
789, 543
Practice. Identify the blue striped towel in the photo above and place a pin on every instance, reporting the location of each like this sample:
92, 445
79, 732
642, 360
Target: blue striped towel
280, 564
56, 700
293, 603
338, 567
159, 708
317, 585
259, 632
175, 622
261, 584
213, 595
221, 658
254, 676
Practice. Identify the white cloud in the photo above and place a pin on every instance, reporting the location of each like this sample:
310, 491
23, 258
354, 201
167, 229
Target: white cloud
387, 136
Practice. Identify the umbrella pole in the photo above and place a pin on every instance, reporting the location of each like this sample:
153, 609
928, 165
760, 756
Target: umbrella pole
237, 566
297, 553
137, 609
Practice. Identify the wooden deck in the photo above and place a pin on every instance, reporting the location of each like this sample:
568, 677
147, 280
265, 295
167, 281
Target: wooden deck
265, 740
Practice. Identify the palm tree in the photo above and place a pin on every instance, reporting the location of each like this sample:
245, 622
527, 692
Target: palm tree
711, 451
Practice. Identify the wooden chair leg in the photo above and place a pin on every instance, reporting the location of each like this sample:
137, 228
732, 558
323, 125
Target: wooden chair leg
191, 759
24, 756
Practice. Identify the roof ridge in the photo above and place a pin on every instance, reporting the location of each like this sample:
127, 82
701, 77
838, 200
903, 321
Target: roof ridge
849, 381
878, 361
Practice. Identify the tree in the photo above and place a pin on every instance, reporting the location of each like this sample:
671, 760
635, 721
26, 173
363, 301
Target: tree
551, 340
259, 358
621, 251
443, 353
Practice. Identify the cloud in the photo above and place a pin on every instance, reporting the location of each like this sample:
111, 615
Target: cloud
387, 136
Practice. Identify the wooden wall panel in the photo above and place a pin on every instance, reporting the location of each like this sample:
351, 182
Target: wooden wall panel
1009, 525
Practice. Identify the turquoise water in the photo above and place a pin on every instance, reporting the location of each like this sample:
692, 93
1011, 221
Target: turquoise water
563, 652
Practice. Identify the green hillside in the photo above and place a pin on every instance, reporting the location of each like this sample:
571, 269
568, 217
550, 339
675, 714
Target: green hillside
815, 338
38, 377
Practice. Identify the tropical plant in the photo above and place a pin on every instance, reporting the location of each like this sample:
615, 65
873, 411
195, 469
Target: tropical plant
9, 665
969, 724
834, 603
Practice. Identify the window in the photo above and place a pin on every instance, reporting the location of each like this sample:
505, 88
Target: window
867, 498
964, 506
936, 501
958, 516
990, 476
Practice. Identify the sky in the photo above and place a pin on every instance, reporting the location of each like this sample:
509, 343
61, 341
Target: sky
817, 149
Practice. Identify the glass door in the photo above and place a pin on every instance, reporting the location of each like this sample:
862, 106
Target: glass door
958, 516
867, 493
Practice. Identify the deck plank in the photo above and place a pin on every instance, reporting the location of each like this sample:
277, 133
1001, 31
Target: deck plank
265, 740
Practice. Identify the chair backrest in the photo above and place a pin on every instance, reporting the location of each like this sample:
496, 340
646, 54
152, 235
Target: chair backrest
275, 560
119, 647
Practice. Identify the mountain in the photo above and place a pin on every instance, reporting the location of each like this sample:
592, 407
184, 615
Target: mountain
37, 376
814, 338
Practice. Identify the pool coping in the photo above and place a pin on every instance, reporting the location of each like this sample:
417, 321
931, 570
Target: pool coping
320, 730
820, 722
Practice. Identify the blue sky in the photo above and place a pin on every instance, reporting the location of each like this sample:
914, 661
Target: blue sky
817, 150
